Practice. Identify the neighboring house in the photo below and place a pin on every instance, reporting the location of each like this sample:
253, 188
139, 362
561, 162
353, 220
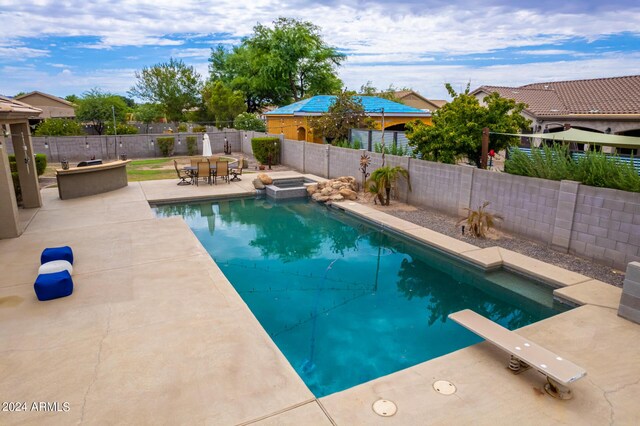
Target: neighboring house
416, 100
293, 120
51, 106
605, 105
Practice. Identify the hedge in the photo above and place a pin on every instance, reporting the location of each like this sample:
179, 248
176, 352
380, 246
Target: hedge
41, 166
41, 163
192, 145
264, 146
165, 145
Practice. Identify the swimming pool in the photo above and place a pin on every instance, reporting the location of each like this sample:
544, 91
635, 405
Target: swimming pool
347, 302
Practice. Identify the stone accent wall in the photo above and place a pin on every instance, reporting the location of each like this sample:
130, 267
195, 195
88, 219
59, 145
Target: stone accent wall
630, 301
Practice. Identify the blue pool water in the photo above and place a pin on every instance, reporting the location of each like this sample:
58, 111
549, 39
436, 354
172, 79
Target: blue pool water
345, 301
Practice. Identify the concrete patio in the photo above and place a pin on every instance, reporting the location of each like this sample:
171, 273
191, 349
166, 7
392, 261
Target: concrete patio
155, 334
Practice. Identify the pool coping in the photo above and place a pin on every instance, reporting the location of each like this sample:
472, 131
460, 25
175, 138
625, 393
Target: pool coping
490, 258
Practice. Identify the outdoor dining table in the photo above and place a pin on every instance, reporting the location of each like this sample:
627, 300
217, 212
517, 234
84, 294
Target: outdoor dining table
193, 171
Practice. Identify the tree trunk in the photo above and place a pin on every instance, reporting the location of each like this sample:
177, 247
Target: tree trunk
388, 192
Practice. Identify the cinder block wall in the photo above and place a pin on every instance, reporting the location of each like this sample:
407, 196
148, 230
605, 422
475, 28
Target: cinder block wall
528, 205
606, 225
596, 223
78, 148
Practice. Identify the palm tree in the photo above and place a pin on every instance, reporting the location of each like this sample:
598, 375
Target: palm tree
385, 178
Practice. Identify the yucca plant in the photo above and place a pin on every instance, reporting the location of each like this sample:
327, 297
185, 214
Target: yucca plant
382, 180
480, 221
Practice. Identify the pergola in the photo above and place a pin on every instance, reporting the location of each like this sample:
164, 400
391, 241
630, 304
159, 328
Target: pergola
14, 115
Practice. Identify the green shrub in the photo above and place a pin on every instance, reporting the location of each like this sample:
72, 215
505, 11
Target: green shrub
16, 185
59, 127
265, 146
41, 163
122, 129
553, 163
192, 145
605, 171
165, 145
391, 149
182, 127
199, 129
249, 121
594, 169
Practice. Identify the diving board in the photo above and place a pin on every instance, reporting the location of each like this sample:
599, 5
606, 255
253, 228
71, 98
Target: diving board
560, 372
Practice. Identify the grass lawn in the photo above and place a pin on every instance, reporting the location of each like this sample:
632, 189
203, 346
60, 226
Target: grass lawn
162, 168
139, 170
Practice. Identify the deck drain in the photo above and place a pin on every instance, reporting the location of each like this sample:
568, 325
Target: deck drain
384, 408
444, 387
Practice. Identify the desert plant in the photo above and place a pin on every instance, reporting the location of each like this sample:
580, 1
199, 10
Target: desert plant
265, 149
166, 145
480, 221
192, 145
393, 149
383, 180
199, 129
593, 168
182, 127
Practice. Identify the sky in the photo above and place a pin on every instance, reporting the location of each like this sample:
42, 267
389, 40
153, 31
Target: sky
71, 46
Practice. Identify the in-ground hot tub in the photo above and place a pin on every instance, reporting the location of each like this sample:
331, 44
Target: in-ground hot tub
288, 188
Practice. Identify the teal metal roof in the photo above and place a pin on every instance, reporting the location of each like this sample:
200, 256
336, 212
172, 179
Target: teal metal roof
321, 104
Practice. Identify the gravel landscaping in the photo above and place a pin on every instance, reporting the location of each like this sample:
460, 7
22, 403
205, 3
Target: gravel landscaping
446, 224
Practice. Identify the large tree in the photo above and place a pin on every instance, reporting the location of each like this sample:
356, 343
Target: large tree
147, 114
345, 113
225, 104
173, 85
98, 108
456, 132
279, 64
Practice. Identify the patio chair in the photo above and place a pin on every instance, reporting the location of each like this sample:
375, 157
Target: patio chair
195, 161
183, 175
237, 171
222, 170
204, 171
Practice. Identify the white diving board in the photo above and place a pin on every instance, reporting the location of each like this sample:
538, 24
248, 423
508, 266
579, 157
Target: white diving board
560, 372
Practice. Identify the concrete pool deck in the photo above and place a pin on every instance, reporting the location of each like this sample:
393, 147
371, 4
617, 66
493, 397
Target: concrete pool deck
155, 334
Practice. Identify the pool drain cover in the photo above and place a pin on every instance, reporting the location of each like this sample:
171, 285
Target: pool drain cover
384, 408
444, 387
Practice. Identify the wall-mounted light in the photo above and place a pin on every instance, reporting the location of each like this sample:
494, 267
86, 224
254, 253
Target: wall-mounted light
86, 143
46, 145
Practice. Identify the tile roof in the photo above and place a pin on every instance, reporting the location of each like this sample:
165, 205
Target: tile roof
321, 104
613, 95
11, 106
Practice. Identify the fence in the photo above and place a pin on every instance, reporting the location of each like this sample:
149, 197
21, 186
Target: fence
109, 147
370, 139
597, 223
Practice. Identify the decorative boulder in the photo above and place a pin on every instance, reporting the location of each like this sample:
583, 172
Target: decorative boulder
257, 184
265, 179
348, 194
312, 189
334, 189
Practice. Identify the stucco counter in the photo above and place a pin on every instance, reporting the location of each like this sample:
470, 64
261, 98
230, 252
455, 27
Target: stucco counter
90, 180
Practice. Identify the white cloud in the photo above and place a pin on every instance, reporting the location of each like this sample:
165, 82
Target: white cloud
192, 53
21, 53
429, 80
550, 52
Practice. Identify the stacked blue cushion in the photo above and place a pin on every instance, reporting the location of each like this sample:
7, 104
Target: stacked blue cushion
57, 253
55, 284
